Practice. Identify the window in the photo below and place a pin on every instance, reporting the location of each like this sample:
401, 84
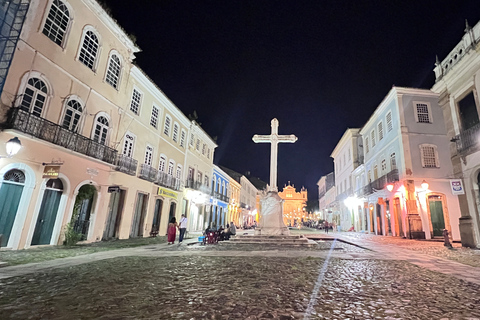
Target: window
182, 138
393, 162
204, 149
372, 136
73, 114
162, 163
199, 177
168, 123
384, 166
57, 22
367, 148
136, 100
468, 113
375, 172
128, 145
154, 117
429, 156
422, 112
89, 50
175, 132
178, 175
219, 185
113, 71
380, 130
34, 97
191, 173
369, 176
192, 139
206, 181
208, 153
171, 166
148, 155
101, 130
198, 145
389, 121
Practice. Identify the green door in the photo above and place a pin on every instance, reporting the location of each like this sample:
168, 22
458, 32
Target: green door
9, 199
436, 214
48, 212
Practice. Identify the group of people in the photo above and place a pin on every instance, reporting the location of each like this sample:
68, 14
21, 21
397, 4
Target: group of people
222, 234
172, 229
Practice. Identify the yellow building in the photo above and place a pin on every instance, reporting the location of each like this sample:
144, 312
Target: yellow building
293, 205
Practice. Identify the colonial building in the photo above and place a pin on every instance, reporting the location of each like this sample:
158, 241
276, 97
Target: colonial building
103, 148
347, 155
325, 185
219, 200
458, 86
407, 168
294, 204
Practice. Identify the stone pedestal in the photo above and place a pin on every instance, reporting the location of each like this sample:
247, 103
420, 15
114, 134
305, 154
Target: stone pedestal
271, 216
414, 225
466, 232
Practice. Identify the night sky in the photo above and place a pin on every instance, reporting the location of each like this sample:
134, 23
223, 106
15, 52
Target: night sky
319, 67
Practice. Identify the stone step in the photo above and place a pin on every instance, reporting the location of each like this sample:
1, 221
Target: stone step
286, 243
269, 240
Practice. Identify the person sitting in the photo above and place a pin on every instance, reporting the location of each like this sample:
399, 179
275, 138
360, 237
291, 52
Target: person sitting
232, 230
223, 233
219, 233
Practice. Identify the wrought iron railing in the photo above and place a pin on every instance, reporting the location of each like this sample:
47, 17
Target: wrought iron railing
147, 172
468, 140
379, 183
126, 164
167, 180
197, 185
81, 227
46, 130
220, 196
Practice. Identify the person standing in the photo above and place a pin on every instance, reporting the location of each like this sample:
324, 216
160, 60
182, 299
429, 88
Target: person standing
172, 230
326, 226
182, 228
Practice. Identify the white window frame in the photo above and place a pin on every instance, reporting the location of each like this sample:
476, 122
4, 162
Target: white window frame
128, 144
154, 117
109, 74
178, 173
176, 129
25, 85
380, 130
66, 31
66, 107
136, 103
419, 116
192, 140
393, 161
197, 146
423, 150
162, 163
102, 126
148, 155
204, 148
389, 121
167, 125
372, 137
183, 136
367, 146
86, 29
171, 167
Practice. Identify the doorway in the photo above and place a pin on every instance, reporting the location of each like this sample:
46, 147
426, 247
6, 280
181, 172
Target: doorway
388, 217
379, 219
157, 215
48, 212
436, 215
82, 210
115, 208
139, 215
173, 209
10, 193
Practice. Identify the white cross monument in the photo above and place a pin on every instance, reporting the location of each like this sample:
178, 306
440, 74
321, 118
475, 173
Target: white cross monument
271, 214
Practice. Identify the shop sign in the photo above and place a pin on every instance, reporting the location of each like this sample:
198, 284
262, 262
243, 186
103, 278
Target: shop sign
457, 186
166, 193
113, 189
51, 172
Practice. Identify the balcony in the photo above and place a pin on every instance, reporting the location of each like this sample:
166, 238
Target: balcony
379, 184
147, 172
197, 185
468, 141
48, 131
167, 180
126, 164
220, 196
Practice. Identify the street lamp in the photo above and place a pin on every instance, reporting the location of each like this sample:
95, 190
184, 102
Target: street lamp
424, 185
390, 187
13, 146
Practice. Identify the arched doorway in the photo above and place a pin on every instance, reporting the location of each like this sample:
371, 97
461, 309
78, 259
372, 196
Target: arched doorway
157, 215
48, 212
378, 210
173, 208
10, 193
435, 205
139, 215
82, 210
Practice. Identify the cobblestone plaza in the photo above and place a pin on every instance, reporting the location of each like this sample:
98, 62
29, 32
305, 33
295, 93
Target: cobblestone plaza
367, 278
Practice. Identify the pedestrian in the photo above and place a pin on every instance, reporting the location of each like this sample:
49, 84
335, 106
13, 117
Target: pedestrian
182, 228
326, 226
232, 230
172, 230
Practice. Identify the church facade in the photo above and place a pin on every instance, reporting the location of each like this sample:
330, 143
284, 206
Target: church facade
294, 204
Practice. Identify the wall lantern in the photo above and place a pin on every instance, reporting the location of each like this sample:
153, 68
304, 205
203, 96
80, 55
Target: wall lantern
390, 187
424, 185
13, 146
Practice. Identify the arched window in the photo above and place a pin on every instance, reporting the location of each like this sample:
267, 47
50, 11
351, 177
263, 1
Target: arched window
89, 50
162, 163
101, 130
171, 166
73, 114
179, 172
34, 96
113, 71
57, 22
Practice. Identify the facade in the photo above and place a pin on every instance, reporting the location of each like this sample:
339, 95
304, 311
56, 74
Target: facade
234, 201
294, 204
219, 199
458, 87
103, 148
346, 157
325, 183
406, 149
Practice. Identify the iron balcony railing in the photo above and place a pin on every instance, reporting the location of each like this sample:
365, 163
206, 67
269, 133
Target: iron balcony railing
26, 122
147, 172
126, 164
197, 185
321, 194
220, 196
379, 183
468, 141
167, 180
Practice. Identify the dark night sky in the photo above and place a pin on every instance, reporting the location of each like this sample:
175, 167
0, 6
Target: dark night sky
319, 67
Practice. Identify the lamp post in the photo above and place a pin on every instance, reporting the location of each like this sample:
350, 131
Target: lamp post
12, 147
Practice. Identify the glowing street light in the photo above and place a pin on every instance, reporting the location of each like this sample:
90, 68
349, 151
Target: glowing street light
13, 146
390, 187
424, 185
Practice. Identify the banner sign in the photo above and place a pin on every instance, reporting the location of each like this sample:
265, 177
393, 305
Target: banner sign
457, 186
167, 193
51, 172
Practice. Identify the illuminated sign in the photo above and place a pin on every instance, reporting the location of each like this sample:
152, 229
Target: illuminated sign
51, 172
457, 186
166, 193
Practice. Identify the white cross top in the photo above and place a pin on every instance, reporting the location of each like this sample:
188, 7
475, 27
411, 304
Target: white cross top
274, 139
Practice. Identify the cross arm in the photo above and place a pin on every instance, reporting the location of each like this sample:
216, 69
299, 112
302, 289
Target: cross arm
287, 138
262, 138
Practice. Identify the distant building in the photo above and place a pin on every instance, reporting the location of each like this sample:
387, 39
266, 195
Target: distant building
294, 204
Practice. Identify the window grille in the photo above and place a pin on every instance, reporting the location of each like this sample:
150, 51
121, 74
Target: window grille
380, 131
57, 21
154, 117
175, 132
389, 122
113, 71
89, 50
168, 123
148, 155
101, 130
429, 157
73, 113
128, 145
135, 103
34, 97
422, 113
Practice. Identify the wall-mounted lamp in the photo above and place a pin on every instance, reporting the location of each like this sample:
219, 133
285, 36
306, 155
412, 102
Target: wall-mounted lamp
390, 187
12, 147
424, 185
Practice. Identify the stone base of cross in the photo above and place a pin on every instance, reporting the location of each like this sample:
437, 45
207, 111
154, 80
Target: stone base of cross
271, 211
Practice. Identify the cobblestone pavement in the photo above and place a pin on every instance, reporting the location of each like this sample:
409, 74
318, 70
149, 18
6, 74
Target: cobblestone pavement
334, 280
